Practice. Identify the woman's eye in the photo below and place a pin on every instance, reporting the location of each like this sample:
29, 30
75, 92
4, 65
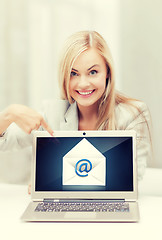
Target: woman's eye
73, 74
93, 72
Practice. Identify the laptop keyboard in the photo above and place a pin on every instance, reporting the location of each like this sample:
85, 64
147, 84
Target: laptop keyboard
82, 207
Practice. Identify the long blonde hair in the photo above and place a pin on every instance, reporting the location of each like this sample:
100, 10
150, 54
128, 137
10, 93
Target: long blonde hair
75, 45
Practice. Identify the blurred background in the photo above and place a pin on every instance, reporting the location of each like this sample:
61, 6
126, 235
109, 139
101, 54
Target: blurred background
32, 33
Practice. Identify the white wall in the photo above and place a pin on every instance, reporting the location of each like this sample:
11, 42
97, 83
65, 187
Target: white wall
13, 52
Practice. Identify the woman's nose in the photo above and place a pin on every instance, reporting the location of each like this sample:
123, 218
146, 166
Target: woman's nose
83, 82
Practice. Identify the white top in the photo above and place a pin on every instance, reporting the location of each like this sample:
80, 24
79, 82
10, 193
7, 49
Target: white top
60, 115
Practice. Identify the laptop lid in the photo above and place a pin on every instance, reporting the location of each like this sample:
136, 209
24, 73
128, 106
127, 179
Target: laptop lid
84, 165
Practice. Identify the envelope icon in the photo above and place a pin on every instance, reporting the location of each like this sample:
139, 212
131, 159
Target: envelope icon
84, 165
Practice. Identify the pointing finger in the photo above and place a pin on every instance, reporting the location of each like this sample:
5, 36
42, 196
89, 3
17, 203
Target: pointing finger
46, 127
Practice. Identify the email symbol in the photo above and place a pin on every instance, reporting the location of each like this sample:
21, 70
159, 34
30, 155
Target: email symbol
84, 165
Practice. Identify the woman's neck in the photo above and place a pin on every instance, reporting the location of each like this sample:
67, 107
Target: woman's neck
87, 117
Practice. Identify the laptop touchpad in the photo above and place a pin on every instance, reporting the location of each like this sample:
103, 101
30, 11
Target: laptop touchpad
80, 215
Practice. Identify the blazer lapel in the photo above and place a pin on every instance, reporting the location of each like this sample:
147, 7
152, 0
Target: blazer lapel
70, 121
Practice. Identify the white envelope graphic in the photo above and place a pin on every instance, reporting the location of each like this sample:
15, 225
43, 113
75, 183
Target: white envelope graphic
84, 165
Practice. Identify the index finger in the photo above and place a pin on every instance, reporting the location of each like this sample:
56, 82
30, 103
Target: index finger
46, 127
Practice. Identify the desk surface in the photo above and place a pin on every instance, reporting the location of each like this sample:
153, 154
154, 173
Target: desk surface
14, 199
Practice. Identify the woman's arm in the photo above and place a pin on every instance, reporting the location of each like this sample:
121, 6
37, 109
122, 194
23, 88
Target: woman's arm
143, 127
25, 118
136, 116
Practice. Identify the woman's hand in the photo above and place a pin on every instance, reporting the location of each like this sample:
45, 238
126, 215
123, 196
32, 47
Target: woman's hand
26, 118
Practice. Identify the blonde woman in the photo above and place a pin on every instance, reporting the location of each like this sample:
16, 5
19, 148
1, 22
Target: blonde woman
89, 101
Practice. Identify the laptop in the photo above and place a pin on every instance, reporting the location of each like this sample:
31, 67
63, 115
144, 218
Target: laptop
84, 176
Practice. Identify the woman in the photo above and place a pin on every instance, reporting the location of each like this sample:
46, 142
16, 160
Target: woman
89, 101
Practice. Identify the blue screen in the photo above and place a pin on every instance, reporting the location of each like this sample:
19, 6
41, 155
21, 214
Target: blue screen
53, 154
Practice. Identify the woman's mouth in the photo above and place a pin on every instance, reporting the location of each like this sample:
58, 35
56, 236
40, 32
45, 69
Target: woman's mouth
85, 93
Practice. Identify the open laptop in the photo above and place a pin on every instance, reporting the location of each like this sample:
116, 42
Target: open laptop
84, 176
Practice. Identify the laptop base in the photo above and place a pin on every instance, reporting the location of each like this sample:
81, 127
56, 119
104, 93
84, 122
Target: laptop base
31, 216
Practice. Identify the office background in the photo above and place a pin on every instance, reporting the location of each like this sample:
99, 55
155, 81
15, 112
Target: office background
32, 33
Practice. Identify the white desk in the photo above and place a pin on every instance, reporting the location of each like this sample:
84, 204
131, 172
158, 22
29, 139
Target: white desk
14, 199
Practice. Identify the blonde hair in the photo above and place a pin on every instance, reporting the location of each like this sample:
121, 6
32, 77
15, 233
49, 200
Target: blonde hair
75, 45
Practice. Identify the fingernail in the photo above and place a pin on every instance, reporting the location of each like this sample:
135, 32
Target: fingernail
52, 134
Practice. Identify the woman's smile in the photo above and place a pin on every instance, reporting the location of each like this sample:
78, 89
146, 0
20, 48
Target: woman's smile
85, 93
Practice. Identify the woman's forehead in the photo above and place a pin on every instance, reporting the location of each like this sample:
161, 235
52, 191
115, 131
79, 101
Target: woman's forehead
88, 58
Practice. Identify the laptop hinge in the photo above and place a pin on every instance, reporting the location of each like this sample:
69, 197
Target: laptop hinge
50, 200
82, 200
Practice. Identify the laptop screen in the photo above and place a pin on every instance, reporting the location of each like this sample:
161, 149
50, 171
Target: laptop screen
84, 164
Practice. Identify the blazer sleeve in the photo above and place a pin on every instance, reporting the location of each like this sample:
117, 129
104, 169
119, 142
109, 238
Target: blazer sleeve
14, 139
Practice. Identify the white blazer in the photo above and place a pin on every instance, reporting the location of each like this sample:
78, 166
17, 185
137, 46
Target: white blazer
60, 115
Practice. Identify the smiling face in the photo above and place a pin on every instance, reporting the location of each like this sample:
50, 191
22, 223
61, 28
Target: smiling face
88, 78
